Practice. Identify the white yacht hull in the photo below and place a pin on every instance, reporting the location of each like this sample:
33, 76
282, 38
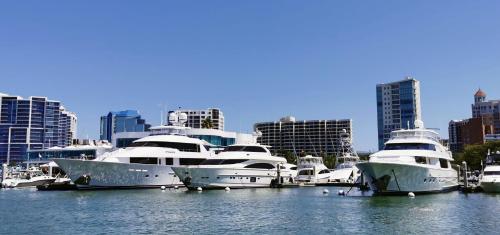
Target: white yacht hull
396, 178
311, 179
219, 178
345, 175
490, 185
98, 174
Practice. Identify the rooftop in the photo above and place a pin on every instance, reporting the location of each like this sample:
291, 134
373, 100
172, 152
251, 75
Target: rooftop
480, 93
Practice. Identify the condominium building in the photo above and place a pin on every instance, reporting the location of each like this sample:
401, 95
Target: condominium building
398, 106
121, 121
314, 137
196, 118
34, 123
68, 125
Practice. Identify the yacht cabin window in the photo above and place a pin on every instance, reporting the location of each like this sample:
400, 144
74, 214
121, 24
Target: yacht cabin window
443, 163
410, 146
260, 166
492, 173
191, 161
324, 171
240, 148
222, 161
183, 147
169, 161
144, 160
421, 160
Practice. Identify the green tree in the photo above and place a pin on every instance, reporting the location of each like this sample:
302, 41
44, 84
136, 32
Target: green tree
474, 154
290, 157
207, 123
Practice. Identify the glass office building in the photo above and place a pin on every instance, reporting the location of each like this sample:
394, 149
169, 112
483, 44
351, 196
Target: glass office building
122, 121
33, 123
398, 106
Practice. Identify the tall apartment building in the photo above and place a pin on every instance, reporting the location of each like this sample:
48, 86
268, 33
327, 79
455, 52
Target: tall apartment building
398, 106
121, 121
196, 117
68, 124
309, 136
31, 124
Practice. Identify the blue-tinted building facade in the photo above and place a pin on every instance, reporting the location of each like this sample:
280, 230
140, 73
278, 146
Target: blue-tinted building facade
122, 121
398, 106
32, 123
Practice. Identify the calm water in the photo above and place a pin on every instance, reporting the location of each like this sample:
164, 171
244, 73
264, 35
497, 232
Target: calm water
264, 211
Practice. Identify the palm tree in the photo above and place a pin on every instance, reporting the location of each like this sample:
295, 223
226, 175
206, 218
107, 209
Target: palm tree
207, 123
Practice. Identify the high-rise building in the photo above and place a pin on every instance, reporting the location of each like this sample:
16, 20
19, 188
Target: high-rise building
30, 124
196, 118
398, 106
310, 136
122, 121
67, 124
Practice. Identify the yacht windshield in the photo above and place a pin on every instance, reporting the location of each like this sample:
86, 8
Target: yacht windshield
183, 147
245, 149
408, 146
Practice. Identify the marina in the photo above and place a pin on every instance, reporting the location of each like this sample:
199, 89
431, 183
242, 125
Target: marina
247, 117
252, 211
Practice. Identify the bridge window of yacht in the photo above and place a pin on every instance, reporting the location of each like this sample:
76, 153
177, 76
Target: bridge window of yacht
183, 147
293, 168
443, 163
420, 160
245, 149
260, 166
492, 173
410, 146
191, 161
144, 160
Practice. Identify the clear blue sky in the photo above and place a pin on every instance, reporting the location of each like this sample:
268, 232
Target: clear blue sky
256, 60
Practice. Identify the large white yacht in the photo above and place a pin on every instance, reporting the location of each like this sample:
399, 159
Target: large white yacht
413, 160
490, 179
238, 166
345, 169
146, 162
311, 170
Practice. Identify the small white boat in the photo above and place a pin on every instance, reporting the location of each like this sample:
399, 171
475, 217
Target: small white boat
490, 179
311, 170
345, 169
29, 178
238, 166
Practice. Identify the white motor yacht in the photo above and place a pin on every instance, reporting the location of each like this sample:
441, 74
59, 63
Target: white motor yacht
490, 179
146, 163
413, 160
311, 170
238, 166
345, 169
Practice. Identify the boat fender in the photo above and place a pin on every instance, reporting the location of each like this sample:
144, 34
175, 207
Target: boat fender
325, 191
411, 195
